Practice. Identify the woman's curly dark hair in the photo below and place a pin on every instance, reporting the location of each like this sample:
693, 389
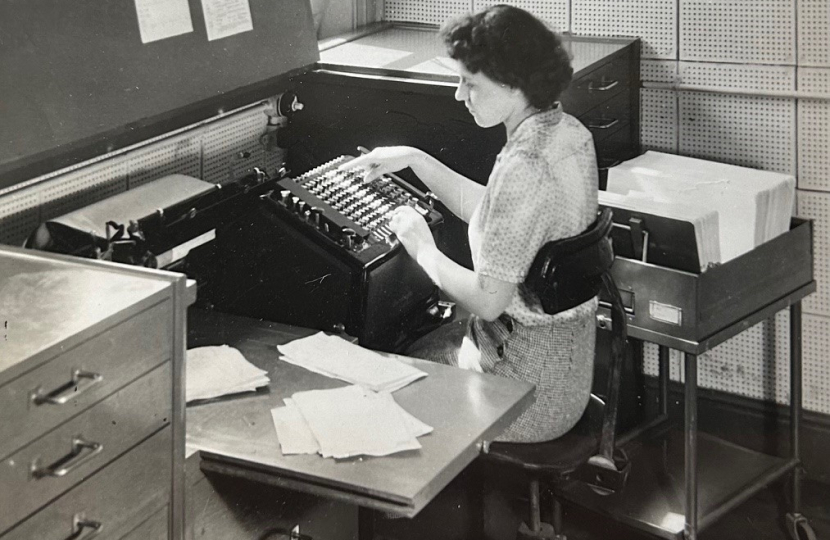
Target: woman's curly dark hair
513, 47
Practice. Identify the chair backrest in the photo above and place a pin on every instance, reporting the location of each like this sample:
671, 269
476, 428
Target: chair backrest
568, 272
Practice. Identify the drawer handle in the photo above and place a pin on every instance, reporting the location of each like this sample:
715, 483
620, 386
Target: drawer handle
604, 86
84, 529
82, 451
603, 123
81, 382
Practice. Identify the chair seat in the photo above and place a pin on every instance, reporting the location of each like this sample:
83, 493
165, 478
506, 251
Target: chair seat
557, 457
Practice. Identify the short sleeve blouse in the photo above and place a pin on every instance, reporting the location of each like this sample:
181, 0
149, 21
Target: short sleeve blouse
542, 188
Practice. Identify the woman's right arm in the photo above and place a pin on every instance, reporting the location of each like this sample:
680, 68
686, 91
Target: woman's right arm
458, 193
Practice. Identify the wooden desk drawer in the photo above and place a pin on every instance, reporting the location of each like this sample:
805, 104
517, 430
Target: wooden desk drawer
118, 356
54, 463
598, 86
608, 117
118, 498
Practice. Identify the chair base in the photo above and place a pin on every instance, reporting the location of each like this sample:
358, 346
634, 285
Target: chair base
545, 532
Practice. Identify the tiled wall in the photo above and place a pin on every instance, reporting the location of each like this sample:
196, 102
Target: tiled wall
770, 48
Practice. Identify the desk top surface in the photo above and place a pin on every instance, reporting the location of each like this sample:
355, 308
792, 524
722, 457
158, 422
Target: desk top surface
237, 432
418, 51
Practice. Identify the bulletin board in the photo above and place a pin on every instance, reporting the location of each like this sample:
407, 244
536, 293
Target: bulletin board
78, 80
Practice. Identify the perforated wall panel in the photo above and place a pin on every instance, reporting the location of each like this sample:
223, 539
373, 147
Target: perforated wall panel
753, 364
816, 378
813, 132
816, 206
554, 12
225, 145
655, 21
19, 216
658, 120
179, 155
738, 76
663, 71
424, 11
83, 187
745, 31
814, 33
750, 131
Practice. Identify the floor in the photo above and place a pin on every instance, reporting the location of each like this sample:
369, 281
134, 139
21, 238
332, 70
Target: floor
760, 518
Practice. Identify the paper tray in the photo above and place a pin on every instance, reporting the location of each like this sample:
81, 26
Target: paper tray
690, 311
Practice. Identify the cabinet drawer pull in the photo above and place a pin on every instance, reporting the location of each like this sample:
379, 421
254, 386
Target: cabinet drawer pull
81, 382
603, 123
82, 451
604, 86
84, 529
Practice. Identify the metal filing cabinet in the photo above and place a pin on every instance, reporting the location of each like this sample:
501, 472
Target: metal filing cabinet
91, 399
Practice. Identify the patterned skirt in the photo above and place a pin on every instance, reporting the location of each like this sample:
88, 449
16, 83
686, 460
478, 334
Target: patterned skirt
557, 358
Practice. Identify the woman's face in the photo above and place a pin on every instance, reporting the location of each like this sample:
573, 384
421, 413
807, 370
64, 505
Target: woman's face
490, 102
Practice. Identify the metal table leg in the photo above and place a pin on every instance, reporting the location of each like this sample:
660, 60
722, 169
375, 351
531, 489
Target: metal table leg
690, 427
797, 525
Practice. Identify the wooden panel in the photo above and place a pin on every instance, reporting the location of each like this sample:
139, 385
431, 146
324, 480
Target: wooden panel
58, 110
116, 424
119, 355
155, 528
120, 497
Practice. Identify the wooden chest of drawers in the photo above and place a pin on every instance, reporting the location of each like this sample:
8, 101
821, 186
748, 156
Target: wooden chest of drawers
91, 399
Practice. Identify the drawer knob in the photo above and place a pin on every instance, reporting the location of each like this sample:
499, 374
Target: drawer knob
80, 382
84, 529
82, 451
603, 86
603, 123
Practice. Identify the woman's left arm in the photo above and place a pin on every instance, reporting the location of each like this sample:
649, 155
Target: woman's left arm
481, 295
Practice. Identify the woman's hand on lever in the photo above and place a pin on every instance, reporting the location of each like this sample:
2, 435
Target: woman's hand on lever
383, 160
412, 231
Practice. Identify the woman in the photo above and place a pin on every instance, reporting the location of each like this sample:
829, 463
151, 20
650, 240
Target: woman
543, 187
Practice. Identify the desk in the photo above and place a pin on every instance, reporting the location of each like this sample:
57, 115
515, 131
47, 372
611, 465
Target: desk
242, 442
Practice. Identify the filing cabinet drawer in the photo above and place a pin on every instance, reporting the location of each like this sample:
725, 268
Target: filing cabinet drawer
52, 464
598, 86
609, 117
49, 395
114, 501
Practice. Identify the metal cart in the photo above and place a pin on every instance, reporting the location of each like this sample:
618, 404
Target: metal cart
682, 481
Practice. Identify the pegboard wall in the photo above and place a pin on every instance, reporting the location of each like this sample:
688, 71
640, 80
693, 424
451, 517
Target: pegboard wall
229, 145
749, 46
424, 11
556, 13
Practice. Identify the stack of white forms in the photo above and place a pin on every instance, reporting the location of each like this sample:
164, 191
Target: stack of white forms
220, 370
336, 357
734, 209
346, 422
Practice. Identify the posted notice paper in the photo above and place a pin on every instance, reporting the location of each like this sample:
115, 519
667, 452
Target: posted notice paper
225, 18
160, 19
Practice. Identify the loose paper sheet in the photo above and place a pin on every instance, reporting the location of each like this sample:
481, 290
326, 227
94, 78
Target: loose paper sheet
220, 370
225, 18
346, 422
160, 19
336, 357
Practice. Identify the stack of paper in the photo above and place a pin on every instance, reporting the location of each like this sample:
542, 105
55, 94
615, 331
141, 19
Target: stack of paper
336, 357
220, 370
753, 206
346, 422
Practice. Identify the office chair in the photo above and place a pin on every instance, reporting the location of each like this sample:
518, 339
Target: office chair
587, 452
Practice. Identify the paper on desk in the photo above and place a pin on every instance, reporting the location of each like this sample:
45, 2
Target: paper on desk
293, 432
346, 422
220, 370
336, 357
